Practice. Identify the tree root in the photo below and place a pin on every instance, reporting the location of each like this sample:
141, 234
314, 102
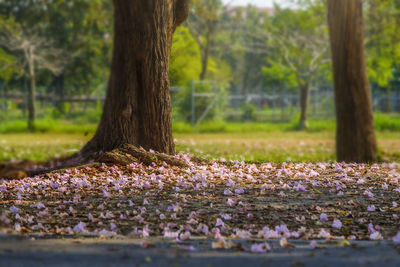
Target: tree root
124, 155
14, 170
128, 154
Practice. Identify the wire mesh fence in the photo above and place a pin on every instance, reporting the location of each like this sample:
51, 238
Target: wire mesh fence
207, 100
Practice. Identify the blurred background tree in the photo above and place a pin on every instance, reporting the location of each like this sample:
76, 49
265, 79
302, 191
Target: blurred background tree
269, 64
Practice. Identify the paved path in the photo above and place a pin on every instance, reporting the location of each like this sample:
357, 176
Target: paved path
17, 251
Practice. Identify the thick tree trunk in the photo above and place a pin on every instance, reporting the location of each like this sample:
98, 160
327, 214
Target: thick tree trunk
31, 103
303, 106
137, 109
355, 140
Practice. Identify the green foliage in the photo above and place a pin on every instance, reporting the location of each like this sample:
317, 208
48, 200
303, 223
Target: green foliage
219, 70
248, 112
382, 42
297, 45
8, 66
185, 58
277, 74
82, 29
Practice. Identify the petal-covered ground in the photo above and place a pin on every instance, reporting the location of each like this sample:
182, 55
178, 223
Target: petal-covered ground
214, 199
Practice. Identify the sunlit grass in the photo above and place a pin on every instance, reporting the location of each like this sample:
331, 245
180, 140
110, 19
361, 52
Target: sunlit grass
87, 123
39, 146
275, 146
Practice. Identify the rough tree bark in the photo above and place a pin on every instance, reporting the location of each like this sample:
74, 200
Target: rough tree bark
355, 140
137, 110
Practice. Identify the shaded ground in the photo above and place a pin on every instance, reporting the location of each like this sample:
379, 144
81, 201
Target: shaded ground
232, 199
130, 252
333, 203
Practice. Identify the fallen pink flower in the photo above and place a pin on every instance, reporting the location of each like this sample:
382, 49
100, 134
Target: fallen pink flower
371, 229
375, 236
337, 224
396, 238
371, 208
80, 227
323, 217
324, 234
239, 191
40, 205
14, 209
260, 248
313, 244
187, 248
228, 192
219, 223
230, 202
185, 236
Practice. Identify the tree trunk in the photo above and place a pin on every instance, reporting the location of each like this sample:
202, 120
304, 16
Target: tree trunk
58, 84
137, 110
205, 54
303, 106
31, 103
355, 140
204, 62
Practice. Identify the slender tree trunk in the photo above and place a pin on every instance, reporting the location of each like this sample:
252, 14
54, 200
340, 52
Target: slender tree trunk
206, 50
355, 140
204, 62
31, 103
59, 92
304, 88
137, 109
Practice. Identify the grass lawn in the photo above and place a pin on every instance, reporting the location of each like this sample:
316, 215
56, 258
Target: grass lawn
275, 146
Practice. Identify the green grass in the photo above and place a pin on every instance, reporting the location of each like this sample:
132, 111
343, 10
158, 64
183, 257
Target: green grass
39, 146
383, 122
260, 147
47, 126
387, 122
86, 122
250, 141
275, 146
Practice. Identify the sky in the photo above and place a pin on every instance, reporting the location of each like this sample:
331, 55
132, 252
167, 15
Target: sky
261, 3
